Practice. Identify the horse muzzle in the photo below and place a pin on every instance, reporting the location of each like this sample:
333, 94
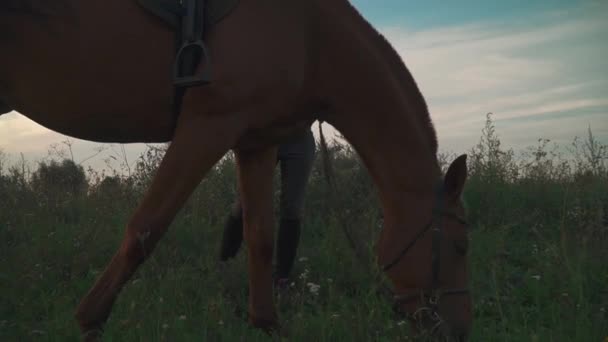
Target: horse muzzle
436, 315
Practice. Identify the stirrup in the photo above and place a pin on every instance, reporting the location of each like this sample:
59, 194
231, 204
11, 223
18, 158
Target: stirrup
204, 77
193, 47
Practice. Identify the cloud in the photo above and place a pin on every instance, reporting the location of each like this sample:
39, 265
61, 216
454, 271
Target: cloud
18, 134
536, 68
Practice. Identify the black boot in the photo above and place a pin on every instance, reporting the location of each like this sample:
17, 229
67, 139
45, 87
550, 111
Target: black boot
232, 238
287, 245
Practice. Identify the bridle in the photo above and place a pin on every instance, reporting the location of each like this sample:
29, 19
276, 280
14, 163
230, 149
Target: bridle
432, 296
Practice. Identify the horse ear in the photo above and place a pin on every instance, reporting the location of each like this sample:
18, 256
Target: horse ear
455, 177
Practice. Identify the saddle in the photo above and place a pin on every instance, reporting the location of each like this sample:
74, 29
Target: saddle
190, 19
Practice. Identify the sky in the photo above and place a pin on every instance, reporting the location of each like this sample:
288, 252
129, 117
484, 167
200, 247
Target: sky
541, 68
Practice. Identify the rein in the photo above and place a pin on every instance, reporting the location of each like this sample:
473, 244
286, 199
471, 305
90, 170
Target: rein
432, 296
429, 297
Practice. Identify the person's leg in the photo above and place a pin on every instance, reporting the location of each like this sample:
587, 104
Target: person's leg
296, 161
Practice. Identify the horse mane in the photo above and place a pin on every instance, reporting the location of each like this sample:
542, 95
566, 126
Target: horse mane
405, 78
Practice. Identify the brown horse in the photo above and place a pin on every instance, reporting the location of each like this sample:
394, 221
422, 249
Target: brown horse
101, 71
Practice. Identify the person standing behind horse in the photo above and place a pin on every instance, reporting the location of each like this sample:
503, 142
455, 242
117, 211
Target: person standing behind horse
295, 158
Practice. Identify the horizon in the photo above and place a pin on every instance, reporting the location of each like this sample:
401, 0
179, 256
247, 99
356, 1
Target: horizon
541, 68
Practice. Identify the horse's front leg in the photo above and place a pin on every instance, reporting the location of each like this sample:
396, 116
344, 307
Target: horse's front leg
200, 140
255, 170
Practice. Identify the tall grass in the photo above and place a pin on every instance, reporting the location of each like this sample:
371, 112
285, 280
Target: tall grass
539, 249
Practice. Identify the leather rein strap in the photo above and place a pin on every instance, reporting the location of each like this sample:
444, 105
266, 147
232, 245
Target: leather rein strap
430, 296
433, 295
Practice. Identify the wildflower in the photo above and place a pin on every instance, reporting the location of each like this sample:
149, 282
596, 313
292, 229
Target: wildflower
314, 288
304, 274
537, 277
400, 323
182, 317
302, 259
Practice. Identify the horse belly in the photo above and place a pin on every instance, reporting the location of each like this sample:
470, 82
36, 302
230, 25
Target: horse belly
112, 84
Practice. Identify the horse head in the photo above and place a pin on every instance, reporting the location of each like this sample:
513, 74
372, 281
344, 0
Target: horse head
430, 274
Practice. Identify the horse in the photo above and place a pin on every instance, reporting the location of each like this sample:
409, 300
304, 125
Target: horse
101, 71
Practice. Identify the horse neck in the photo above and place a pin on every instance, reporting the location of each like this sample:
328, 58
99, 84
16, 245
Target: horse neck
379, 109
377, 104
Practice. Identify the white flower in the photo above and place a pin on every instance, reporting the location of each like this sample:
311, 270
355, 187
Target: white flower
302, 259
314, 288
537, 277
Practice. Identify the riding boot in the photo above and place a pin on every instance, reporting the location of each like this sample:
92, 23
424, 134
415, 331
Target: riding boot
232, 238
287, 244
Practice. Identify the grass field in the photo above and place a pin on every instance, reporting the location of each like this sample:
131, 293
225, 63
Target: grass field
539, 248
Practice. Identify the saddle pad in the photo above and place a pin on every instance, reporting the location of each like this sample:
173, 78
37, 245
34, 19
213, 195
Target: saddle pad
170, 11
